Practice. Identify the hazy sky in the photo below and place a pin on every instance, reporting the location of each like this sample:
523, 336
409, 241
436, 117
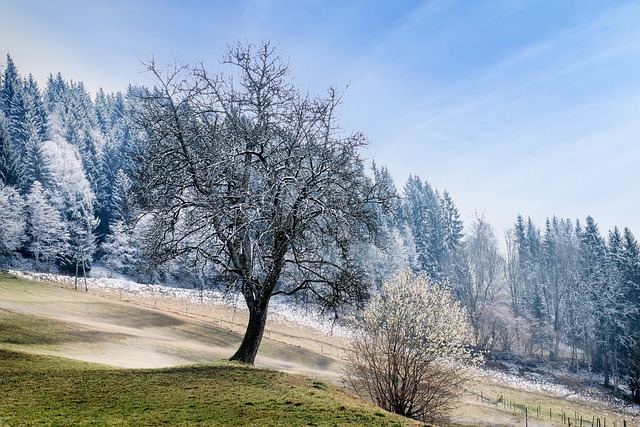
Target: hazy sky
514, 107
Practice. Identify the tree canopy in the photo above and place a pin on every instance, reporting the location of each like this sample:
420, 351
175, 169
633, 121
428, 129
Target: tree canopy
241, 171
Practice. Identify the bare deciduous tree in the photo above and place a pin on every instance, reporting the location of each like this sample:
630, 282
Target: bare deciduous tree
479, 271
256, 179
411, 350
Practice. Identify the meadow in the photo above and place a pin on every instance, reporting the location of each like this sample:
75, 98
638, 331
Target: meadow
111, 358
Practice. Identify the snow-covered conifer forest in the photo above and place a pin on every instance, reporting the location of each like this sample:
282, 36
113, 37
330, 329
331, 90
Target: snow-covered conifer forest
563, 292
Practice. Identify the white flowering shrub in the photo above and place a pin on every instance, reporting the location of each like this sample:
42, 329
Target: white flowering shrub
411, 351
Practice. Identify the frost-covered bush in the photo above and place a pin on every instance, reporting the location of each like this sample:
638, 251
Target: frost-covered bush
411, 352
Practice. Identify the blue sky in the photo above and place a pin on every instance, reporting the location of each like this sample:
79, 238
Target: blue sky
514, 107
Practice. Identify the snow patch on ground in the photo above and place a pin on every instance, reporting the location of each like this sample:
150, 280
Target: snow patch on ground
529, 382
548, 383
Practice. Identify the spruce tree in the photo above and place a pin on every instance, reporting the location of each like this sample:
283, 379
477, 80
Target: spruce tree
452, 224
12, 98
46, 230
34, 164
12, 220
631, 272
423, 213
35, 106
9, 157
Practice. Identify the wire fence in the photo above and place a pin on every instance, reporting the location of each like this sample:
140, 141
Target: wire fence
554, 415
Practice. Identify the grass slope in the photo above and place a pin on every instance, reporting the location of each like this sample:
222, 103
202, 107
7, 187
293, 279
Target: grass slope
100, 328
38, 321
46, 390
38, 389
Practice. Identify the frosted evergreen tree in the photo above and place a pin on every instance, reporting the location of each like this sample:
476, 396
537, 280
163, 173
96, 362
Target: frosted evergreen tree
452, 224
34, 163
46, 230
13, 101
422, 212
35, 106
630, 266
9, 156
81, 131
116, 122
122, 249
75, 200
384, 257
72, 110
594, 275
10, 87
55, 94
12, 220
121, 198
530, 262
516, 258
103, 113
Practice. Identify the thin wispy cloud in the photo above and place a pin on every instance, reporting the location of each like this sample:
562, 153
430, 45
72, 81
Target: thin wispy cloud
514, 107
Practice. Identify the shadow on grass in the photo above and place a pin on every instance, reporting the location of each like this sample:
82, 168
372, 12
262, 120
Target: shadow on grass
29, 330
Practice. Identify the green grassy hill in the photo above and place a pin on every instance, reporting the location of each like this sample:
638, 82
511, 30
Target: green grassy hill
46, 390
72, 358
41, 389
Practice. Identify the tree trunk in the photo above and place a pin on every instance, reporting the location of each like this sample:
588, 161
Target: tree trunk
253, 335
84, 275
75, 282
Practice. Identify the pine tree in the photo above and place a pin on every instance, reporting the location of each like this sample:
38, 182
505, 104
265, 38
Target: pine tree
80, 126
631, 276
453, 225
35, 106
618, 313
103, 113
55, 94
12, 97
9, 157
122, 251
75, 200
34, 165
121, 203
532, 267
517, 260
12, 221
47, 233
558, 271
597, 276
115, 127
423, 213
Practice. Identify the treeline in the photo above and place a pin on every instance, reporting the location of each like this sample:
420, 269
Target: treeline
579, 291
557, 292
62, 162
